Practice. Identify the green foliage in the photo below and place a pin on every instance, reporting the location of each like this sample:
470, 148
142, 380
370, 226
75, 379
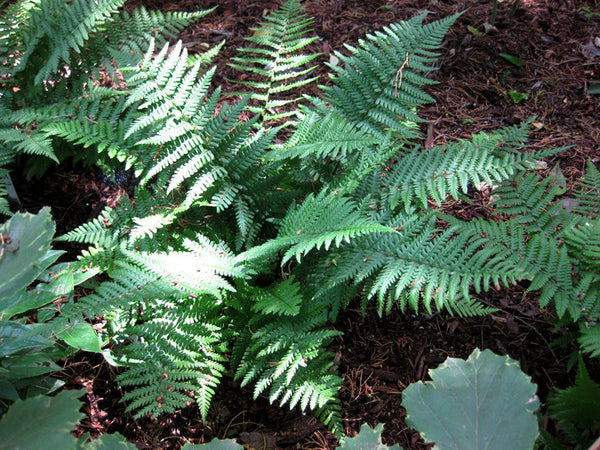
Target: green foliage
33, 333
273, 58
367, 439
241, 244
286, 355
176, 352
42, 422
577, 409
59, 53
483, 402
215, 444
4, 183
564, 242
377, 87
24, 242
47, 422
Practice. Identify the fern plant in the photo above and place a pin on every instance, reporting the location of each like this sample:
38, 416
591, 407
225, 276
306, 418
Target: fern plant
59, 53
241, 244
576, 410
274, 60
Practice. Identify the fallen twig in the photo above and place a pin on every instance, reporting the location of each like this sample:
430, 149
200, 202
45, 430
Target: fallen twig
398, 80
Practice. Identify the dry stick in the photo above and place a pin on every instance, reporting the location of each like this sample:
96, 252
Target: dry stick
398, 80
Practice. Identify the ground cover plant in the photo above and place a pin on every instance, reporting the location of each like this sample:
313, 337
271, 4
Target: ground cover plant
243, 241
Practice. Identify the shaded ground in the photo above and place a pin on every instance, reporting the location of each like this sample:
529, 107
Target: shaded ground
380, 357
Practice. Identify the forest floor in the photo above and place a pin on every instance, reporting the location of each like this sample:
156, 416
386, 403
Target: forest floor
558, 43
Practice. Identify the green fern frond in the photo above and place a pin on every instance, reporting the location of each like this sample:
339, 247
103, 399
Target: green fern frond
285, 356
421, 263
318, 222
129, 285
129, 34
205, 59
283, 299
275, 61
177, 352
588, 197
543, 260
202, 269
99, 124
590, 338
4, 182
469, 307
31, 143
508, 234
12, 19
584, 244
577, 408
530, 200
554, 277
329, 135
181, 125
562, 253
100, 231
60, 27
451, 170
377, 88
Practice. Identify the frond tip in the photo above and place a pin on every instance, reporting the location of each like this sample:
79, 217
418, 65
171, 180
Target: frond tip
274, 62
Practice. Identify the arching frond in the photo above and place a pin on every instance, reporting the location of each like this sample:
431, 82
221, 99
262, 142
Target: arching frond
287, 358
317, 223
177, 352
274, 62
377, 87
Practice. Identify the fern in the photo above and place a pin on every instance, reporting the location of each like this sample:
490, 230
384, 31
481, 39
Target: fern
419, 263
588, 197
214, 156
19, 141
51, 68
531, 200
127, 34
318, 222
563, 247
287, 357
584, 244
13, 17
377, 88
325, 135
241, 243
4, 183
441, 172
179, 351
58, 28
180, 121
590, 337
577, 408
274, 59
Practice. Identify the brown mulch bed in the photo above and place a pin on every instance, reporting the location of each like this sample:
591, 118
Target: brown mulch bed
379, 357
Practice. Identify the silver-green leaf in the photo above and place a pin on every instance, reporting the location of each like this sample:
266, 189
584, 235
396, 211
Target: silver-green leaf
367, 439
483, 402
